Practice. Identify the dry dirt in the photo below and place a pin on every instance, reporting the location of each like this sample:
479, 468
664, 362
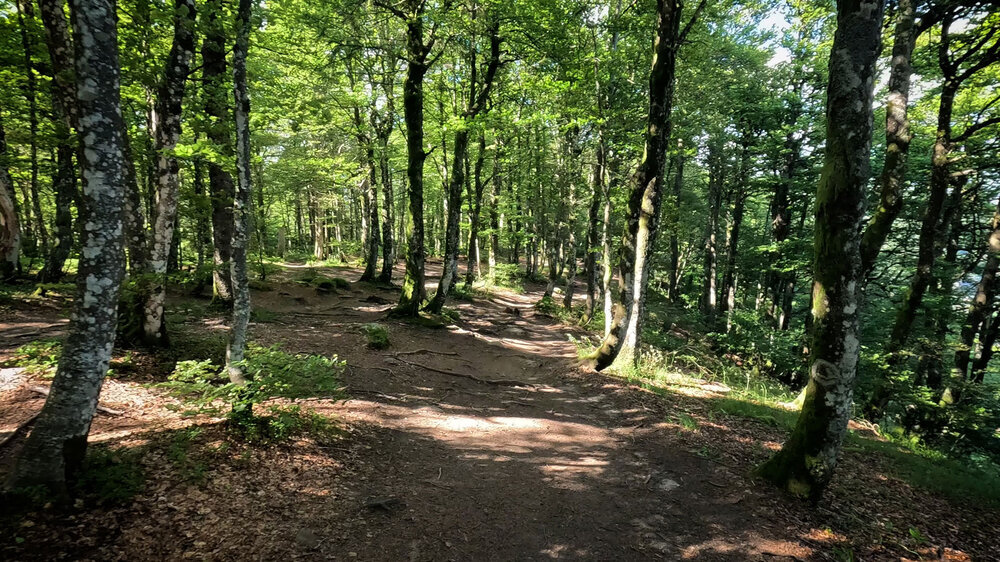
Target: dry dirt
533, 457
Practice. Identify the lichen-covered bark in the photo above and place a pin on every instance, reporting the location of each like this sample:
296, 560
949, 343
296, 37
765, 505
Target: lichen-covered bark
806, 462
241, 204
54, 450
220, 181
10, 226
620, 347
170, 97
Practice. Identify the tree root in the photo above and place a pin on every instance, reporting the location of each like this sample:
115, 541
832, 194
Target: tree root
499, 382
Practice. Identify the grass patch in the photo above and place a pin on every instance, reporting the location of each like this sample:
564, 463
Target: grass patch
38, 358
263, 315
377, 336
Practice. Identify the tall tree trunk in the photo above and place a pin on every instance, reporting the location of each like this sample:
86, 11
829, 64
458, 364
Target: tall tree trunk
572, 170
716, 179
593, 229
931, 227
494, 208
53, 453
10, 226
733, 233
476, 206
25, 11
982, 303
60, 47
170, 97
675, 250
220, 181
476, 103
414, 292
806, 462
987, 340
369, 190
897, 135
242, 203
620, 347
388, 197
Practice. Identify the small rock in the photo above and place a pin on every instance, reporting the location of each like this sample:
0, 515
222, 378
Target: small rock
307, 539
668, 485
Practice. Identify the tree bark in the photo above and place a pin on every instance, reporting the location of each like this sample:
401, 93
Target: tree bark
242, 203
170, 97
478, 97
414, 292
26, 12
383, 130
897, 136
716, 178
620, 347
733, 233
475, 211
220, 181
54, 451
10, 226
60, 47
806, 462
675, 250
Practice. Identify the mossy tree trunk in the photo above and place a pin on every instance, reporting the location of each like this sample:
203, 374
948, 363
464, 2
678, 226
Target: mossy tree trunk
620, 347
54, 451
806, 462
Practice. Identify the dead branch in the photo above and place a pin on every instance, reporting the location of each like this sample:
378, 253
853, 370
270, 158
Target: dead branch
104, 409
497, 382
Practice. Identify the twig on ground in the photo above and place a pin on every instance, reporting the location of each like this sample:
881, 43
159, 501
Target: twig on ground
416, 351
17, 430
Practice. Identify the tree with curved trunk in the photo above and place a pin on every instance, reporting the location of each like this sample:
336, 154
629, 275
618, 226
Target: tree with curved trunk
170, 97
806, 462
243, 200
10, 226
53, 453
620, 347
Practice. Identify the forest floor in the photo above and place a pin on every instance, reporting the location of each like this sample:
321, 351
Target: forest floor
483, 440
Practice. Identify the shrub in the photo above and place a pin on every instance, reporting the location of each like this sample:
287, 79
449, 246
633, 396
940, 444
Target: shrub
377, 334
272, 373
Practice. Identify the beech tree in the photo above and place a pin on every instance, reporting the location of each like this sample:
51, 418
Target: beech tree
806, 462
54, 451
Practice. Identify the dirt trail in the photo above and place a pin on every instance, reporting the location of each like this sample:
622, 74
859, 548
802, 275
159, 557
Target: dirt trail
439, 463
568, 464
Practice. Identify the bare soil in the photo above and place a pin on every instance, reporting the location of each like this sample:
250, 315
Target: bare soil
483, 440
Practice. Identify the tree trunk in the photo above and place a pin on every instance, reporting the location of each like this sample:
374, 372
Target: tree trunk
60, 47
220, 181
620, 347
593, 226
243, 200
170, 97
806, 462
53, 453
982, 303
675, 250
897, 136
388, 201
494, 208
716, 178
733, 233
414, 292
476, 206
26, 11
10, 226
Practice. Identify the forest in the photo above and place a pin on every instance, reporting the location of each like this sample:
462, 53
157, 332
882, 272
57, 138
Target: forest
484, 280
